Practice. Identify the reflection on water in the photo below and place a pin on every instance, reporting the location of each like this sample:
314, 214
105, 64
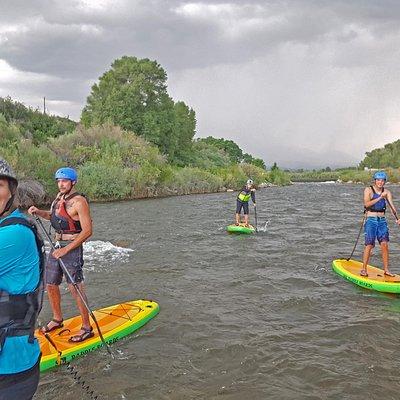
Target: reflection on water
242, 316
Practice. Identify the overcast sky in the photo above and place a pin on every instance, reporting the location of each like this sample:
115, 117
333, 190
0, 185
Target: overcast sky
303, 83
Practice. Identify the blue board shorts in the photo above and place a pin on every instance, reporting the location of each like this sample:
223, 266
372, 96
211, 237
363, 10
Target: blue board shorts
376, 228
73, 261
240, 205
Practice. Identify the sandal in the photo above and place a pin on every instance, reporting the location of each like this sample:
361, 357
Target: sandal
87, 334
46, 329
363, 272
387, 273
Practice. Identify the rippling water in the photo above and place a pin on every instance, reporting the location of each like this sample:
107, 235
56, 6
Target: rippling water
242, 317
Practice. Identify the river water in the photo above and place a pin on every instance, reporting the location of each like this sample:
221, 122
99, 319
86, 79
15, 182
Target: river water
241, 317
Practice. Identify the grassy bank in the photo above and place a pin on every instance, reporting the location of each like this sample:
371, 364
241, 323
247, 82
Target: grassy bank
114, 164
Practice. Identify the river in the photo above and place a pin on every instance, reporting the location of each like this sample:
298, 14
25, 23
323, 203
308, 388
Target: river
241, 317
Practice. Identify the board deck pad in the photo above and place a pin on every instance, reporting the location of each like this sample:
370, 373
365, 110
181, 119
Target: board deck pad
376, 279
115, 322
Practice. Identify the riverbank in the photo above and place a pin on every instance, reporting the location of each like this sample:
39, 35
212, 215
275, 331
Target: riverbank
115, 164
347, 175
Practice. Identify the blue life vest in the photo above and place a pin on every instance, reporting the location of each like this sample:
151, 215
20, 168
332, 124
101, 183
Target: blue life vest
380, 206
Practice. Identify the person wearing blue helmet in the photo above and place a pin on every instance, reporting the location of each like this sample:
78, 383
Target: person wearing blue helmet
376, 198
69, 215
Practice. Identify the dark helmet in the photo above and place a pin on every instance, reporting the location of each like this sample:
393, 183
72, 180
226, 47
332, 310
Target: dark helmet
7, 172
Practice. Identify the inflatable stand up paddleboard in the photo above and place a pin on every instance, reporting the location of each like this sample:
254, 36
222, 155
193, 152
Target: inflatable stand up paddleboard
376, 279
115, 323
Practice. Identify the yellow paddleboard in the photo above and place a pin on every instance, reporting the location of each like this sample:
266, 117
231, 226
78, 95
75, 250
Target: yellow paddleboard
115, 322
376, 279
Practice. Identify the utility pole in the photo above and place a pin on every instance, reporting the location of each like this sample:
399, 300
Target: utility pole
44, 105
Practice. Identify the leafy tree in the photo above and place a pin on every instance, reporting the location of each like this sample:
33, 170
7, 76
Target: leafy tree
234, 152
274, 167
133, 94
388, 156
249, 159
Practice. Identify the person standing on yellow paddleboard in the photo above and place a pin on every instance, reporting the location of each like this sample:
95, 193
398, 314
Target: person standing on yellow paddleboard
375, 228
242, 201
70, 217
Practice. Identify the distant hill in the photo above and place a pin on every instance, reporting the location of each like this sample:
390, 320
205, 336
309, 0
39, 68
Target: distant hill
32, 123
384, 157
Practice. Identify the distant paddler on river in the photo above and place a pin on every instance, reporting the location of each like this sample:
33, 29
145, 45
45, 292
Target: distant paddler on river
242, 201
375, 228
69, 215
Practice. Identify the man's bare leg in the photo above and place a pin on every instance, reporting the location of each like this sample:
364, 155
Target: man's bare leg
81, 306
53, 292
366, 256
385, 258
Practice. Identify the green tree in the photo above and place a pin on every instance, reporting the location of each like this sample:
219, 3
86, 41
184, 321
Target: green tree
249, 159
234, 152
133, 94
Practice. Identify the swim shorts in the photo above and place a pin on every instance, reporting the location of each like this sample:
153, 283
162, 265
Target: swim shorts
73, 261
376, 228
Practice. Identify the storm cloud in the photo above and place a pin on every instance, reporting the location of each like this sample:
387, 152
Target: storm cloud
302, 83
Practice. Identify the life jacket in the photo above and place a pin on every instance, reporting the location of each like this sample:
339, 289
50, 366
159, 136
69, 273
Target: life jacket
62, 221
244, 195
380, 206
19, 312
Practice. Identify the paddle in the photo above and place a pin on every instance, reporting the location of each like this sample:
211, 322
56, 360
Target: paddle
255, 216
84, 301
358, 236
393, 210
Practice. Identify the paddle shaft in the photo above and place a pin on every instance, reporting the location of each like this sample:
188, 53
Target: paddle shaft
358, 236
81, 295
255, 216
393, 210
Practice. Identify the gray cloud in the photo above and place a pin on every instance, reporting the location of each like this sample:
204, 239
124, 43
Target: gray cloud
296, 79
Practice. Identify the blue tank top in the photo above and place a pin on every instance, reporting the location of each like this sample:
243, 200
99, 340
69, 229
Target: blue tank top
19, 274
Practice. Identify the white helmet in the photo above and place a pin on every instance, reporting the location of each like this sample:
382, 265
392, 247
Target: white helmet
249, 182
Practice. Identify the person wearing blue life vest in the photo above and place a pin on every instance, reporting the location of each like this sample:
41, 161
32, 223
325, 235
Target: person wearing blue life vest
242, 201
376, 198
21, 267
69, 215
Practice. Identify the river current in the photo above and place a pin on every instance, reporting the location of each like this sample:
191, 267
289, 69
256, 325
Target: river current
241, 317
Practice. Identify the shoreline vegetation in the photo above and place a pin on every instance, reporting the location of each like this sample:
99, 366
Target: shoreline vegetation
342, 175
134, 141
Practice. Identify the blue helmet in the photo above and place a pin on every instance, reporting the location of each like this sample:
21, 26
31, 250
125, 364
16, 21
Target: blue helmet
67, 173
380, 175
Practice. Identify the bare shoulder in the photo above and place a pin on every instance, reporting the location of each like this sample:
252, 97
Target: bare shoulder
81, 200
388, 192
368, 190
